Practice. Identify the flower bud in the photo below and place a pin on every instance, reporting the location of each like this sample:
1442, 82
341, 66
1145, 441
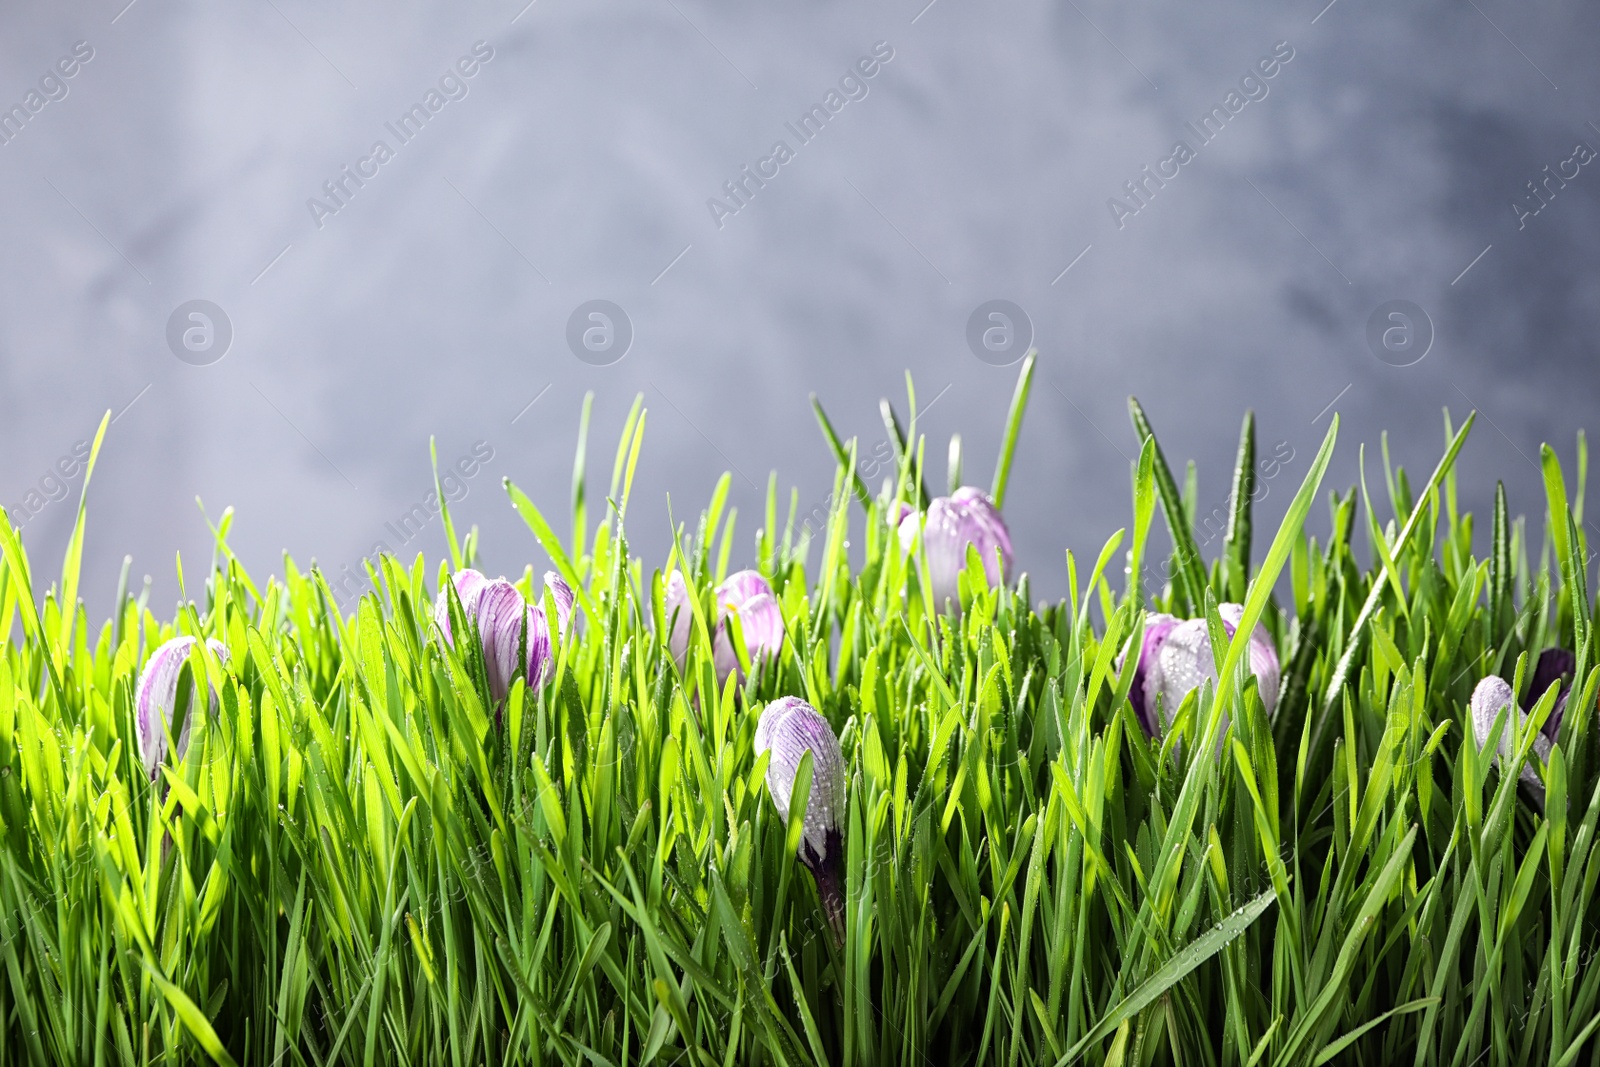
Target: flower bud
966, 517
1141, 694
1488, 699
680, 617
748, 596
789, 728
469, 583
1176, 657
502, 614
564, 598
156, 701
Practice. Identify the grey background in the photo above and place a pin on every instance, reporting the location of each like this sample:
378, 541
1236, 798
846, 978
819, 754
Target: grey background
1382, 164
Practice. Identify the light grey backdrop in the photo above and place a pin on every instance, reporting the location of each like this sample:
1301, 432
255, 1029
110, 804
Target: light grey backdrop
576, 163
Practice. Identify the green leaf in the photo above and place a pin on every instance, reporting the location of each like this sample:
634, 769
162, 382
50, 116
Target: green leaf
73, 563
192, 1018
1353, 641
1236, 546
1173, 971
841, 454
1334, 1048
1191, 572
552, 545
1019, 405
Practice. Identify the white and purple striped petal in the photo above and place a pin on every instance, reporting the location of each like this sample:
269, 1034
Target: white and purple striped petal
790, 728
966, 517
747, 595
680, 617
156, 698
1263, 655
469, 585
502, 615
1176, 657
1491, 696
563, 597
1147, 672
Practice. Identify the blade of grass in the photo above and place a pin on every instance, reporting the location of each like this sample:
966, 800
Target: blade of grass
1008, 446
1173, 971
1191, 572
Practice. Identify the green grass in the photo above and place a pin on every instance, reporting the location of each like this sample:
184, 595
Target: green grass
352, 865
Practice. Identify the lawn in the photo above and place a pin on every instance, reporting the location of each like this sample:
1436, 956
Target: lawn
867, 801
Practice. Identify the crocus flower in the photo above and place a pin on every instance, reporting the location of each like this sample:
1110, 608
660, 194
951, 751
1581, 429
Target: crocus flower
1494, 693
156, 701
1176, 657
469, 583
966, 517
745, 594
748, 596
1491, 695
680, 617
564, 597
501, 613
789, 728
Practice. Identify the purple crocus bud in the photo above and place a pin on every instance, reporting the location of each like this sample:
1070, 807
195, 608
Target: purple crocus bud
469, 584
156, 701
502, 614
1142, 693
966, 517
680, 617
789, 728
1491, 696
1554, 665
747, 595
1176, 657
563, 594
1263, 655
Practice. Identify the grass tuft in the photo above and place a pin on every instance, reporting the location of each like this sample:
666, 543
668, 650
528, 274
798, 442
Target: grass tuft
361, 859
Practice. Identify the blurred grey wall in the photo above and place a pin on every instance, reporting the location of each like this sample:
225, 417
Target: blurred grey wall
536, 158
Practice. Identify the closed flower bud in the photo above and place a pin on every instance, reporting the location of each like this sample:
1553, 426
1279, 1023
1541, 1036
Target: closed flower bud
748, 596
156, 701
1142, 692
1488, 699
469, 583
680, 617
745, 594
789, 728
563, 596
966, 517
502, 615
1176, 657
